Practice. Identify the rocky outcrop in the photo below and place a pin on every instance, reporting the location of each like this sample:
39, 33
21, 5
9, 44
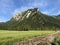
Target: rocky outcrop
26, 14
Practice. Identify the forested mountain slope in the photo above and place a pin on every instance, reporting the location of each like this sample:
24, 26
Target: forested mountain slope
32, 19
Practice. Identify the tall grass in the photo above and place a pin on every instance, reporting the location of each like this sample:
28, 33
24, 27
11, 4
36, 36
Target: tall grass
57, 41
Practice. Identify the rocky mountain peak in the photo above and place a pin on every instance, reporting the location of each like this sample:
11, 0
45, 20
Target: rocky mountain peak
25, 14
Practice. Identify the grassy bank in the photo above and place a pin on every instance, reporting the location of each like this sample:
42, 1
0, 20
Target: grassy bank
57, 41
8, 37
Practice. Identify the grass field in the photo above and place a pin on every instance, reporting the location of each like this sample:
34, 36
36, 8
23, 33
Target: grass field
8, 37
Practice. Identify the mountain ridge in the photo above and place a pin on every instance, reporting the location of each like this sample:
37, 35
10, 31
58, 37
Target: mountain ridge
33, 19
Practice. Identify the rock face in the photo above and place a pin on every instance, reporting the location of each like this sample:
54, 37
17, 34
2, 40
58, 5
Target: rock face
26, 14
17, 16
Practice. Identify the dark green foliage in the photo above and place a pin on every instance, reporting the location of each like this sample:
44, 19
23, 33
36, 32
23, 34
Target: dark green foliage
3, 26
58, 17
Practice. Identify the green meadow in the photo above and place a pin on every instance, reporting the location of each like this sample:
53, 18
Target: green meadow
9, 37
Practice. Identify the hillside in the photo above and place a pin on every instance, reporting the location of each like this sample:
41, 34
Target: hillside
58, 17
33, 19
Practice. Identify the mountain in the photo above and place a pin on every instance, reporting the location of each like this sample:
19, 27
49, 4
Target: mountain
32, 19
58, 17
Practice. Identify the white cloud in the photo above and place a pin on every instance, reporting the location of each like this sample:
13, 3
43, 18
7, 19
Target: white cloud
2, 19
45, 12
50, 11
38, 3
21, 9
6, 5
59, 12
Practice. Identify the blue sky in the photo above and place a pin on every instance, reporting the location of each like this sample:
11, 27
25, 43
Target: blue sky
9, 7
